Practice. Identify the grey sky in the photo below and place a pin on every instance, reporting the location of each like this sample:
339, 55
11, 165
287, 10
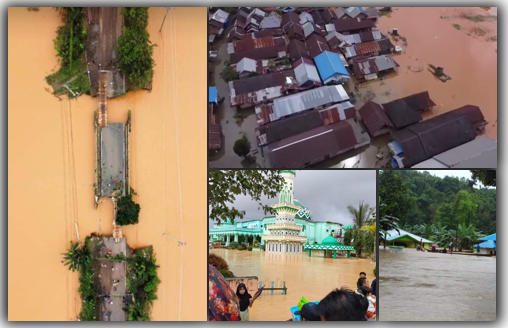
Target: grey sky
326, 193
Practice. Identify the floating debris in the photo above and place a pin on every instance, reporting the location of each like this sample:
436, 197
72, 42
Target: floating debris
439, 73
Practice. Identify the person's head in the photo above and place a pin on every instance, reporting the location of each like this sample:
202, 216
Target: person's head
364, 303
342, 305
363, 282
366, 291
363, 275
241, 289
309, 312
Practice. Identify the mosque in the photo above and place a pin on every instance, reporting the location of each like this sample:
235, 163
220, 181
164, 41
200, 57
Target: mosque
287, 232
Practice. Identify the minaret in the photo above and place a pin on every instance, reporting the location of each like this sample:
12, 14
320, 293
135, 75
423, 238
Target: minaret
284, 235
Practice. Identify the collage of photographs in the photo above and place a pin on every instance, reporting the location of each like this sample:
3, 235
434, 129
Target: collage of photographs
351, 164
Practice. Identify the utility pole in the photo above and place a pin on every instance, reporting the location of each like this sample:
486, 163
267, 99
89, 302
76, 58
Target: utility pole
167, 9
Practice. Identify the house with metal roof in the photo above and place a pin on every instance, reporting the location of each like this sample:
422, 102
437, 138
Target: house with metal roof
488, 246
330, 68
375, 119
479, 153
316, 44
245, 67
370, 68
306, 17
273, 20
306, 73
406, 239
353, 25
315, 98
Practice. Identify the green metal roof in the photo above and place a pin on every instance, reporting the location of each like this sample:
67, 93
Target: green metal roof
288, 171
330, 241
303, 212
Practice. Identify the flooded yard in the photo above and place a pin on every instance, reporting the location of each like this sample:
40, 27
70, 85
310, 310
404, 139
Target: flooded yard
417, 286
51, 162
310, 277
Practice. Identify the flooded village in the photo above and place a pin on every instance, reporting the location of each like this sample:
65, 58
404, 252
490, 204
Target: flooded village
98, 153
294, 87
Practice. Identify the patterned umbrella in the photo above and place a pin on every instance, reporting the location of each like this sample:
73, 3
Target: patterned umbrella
223, 304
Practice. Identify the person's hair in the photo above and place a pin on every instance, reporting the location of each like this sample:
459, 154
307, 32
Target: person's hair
362, 273
361, 281
364, 303
342, 305
366, 291
310, 314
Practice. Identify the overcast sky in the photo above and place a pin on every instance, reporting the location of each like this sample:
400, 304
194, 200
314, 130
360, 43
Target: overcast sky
326, 193
452, 173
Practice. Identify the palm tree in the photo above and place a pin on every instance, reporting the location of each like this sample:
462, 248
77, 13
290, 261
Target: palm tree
77, 257
386, 222
361, 216
371, 229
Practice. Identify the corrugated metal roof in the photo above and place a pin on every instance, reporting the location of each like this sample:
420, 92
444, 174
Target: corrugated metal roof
489, 237
393, 235
271, 21
349, 52
306, 17
375, 119
479, 153
487, 244
307, 100
367, 48
220, 16
251, 43
353, 24
329, 64
305, 72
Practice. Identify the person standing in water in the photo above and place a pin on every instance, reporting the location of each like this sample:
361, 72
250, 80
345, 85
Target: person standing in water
421, 243
451, 247
245, 301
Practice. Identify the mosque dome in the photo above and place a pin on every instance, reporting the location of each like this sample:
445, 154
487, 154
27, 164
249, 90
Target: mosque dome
330, 241
303, 212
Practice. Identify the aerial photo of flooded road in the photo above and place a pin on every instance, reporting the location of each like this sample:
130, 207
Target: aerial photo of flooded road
52, 161
463, 41
421, 286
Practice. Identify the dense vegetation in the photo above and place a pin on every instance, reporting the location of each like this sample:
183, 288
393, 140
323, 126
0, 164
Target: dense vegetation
220, 264
363, 234
228, 72
142, 284
135, 49
440, 209
127, 210
242, 146
70, 45
224, 186
79, 257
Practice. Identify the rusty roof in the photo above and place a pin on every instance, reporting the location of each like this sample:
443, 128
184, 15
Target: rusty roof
316, 44
260, 53
297, 49
375, 119
250, 43
367, 48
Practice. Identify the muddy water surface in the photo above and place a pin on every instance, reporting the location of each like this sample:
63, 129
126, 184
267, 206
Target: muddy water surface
51, 167
418, 286
311, 277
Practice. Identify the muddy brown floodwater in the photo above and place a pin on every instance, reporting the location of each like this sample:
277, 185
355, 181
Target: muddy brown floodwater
51, 162
310, 277
417, 286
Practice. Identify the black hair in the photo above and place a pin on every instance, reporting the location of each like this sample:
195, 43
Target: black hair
342, 305
310, 312
361, 281
366, 291
362, 273
364, 303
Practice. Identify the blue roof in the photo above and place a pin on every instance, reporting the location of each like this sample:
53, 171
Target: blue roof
212, 94
329, 64
491, 237
487, 244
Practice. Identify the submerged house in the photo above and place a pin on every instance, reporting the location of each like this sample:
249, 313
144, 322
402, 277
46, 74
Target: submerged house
375, 119
331, 69
481, 153
405, 239
488, 245
426, 139
419, 102
369, 69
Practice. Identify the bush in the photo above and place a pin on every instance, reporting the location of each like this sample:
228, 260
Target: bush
218, 262
242, 146
228, 73
234, 244
263, 247
249, 248
127, 210
244, 245
256, 244
240, 248
227, 273
135, 49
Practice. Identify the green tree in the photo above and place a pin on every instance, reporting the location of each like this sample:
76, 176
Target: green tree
386, 222
485, 177
127, 211
370, 239
135, 49
77, 257
229, 73
348, 237
393, 190
362, 215
242, 146
224, 186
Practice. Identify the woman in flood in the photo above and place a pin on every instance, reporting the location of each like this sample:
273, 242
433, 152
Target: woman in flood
245, 301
